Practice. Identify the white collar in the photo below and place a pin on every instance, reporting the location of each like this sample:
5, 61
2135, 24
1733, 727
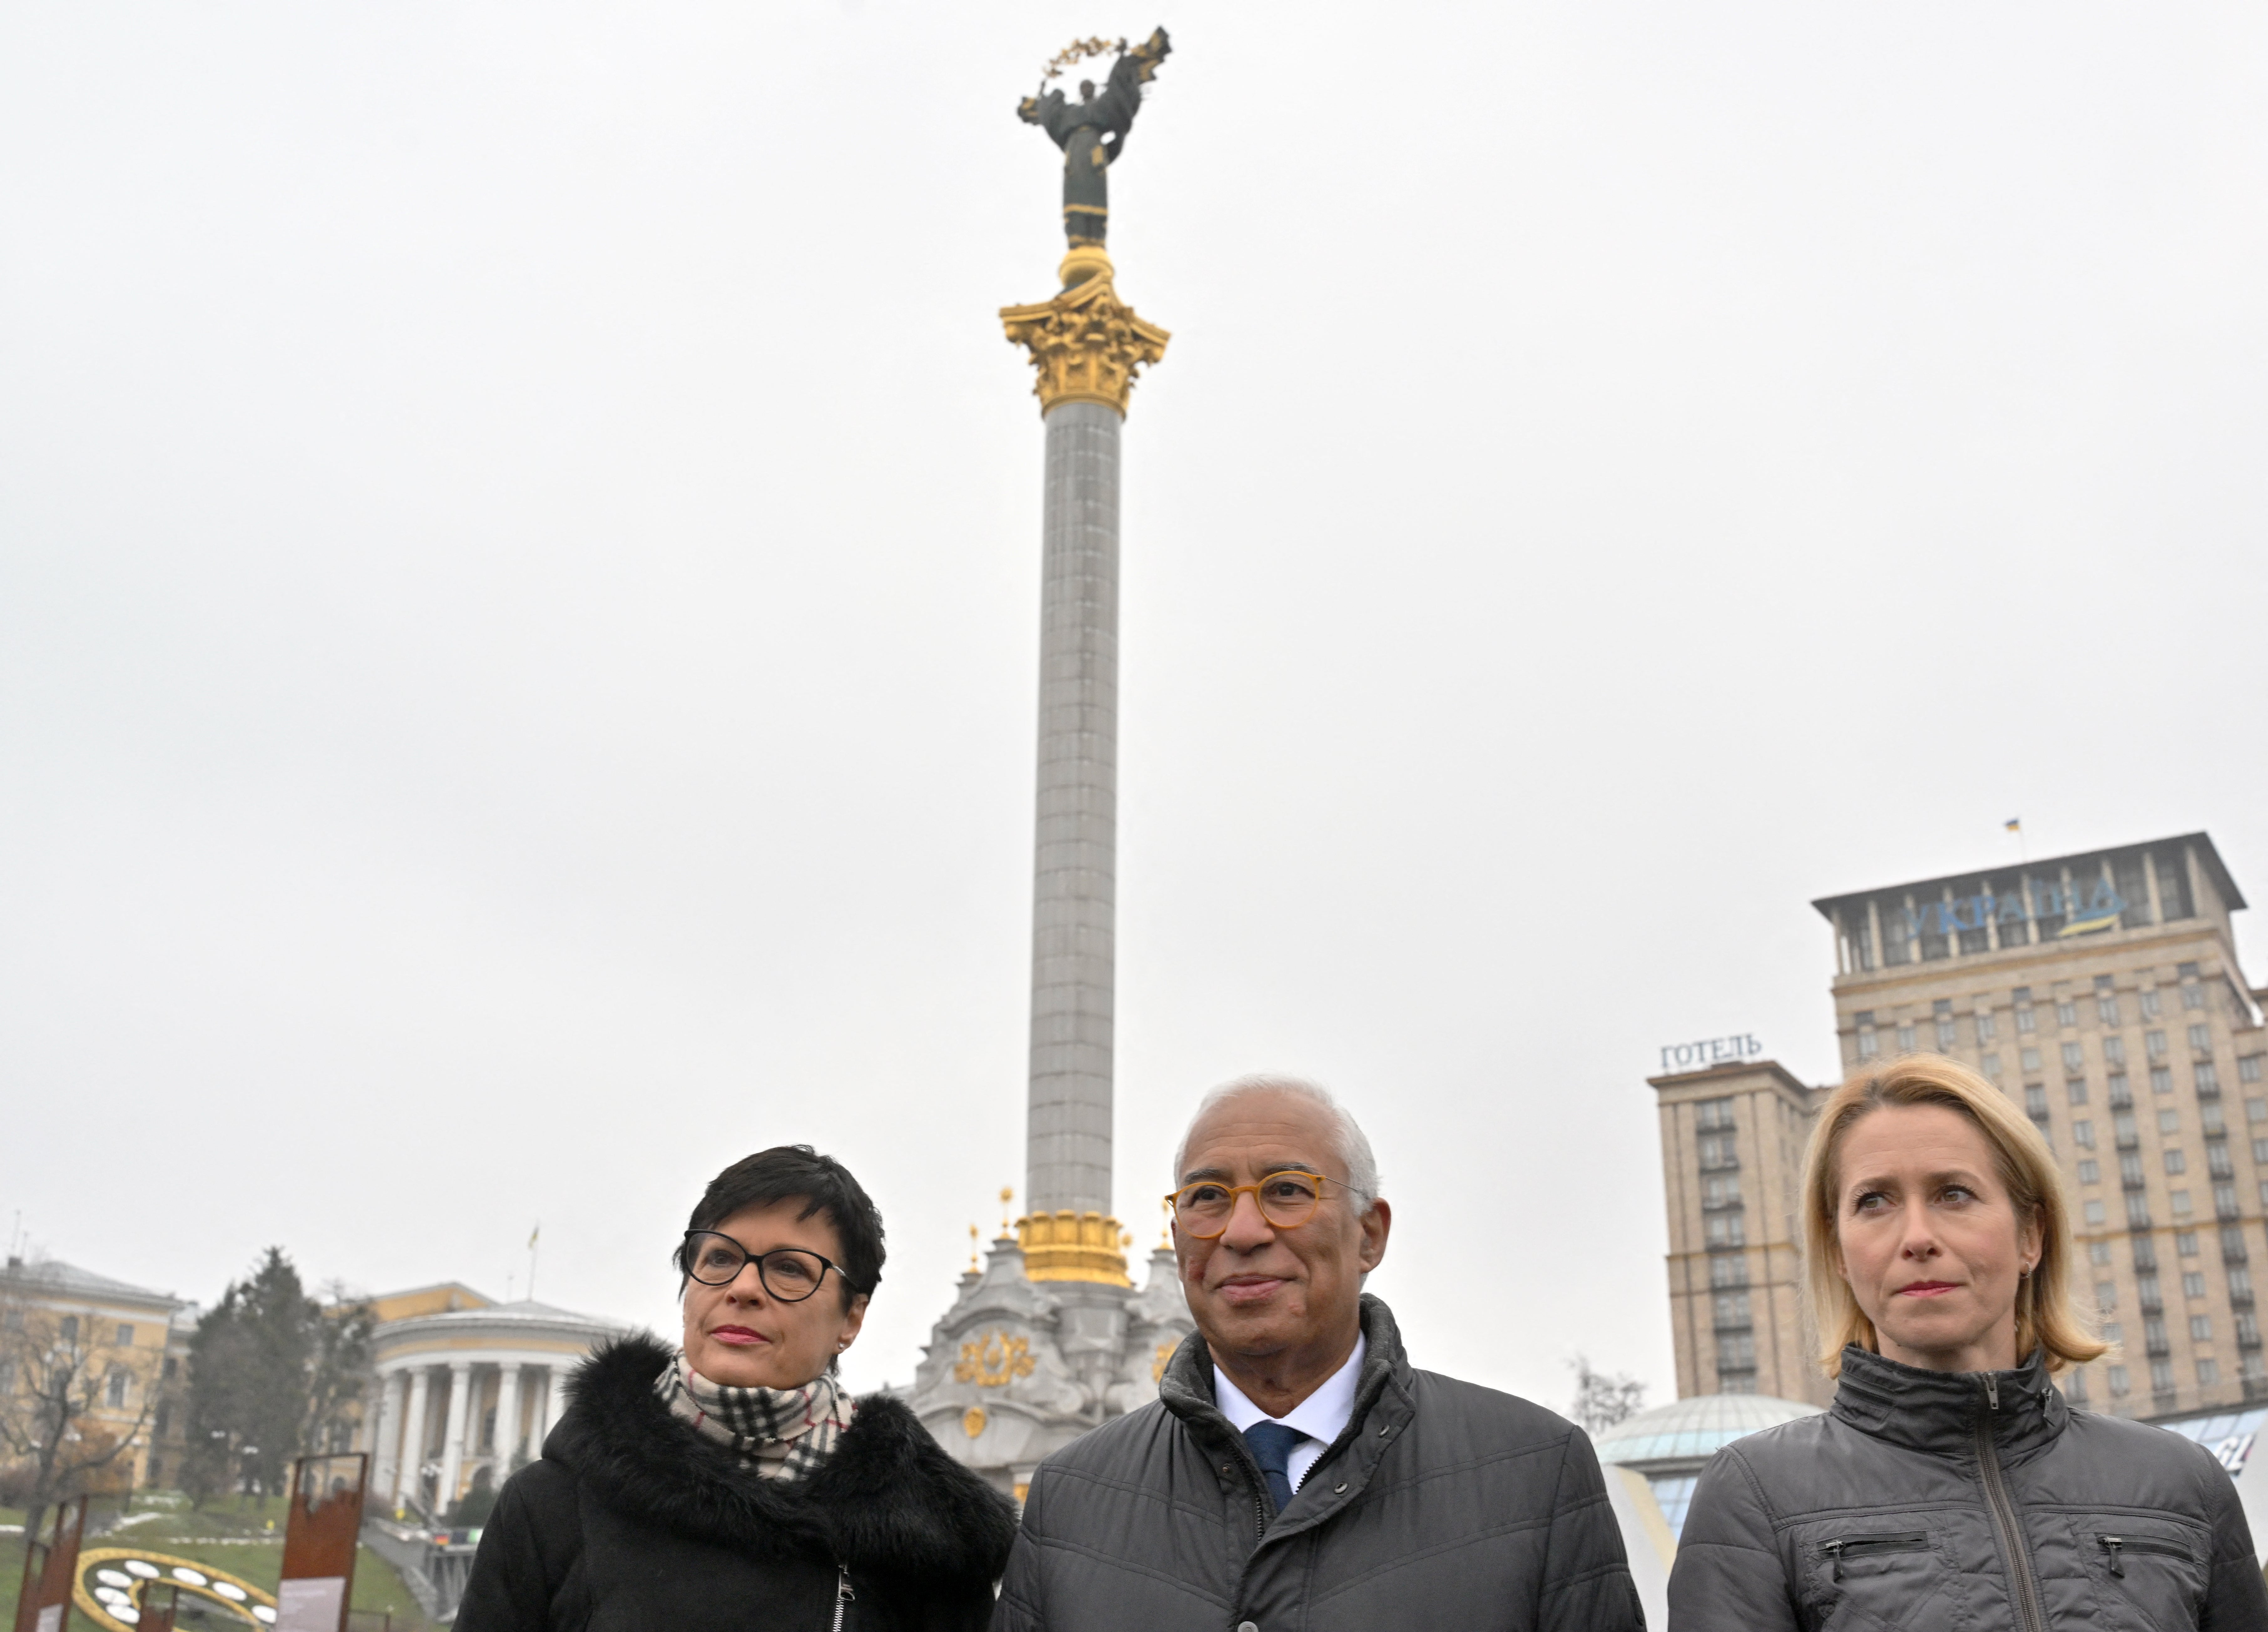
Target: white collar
1323, 1415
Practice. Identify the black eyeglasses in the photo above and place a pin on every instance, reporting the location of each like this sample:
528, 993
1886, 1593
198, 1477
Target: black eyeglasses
788, 1273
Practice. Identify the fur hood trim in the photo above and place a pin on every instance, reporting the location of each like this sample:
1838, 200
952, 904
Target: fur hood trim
887, 1502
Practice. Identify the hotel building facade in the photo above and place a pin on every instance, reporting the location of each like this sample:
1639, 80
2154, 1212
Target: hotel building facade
2101, 992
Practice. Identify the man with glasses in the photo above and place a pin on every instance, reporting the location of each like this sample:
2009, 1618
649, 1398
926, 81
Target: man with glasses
1296, 1473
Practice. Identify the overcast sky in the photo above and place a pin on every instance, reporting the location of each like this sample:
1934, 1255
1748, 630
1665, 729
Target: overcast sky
519, 595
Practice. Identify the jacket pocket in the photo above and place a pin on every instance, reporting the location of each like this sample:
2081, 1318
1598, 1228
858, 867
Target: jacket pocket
2120, 1547
1840, 1549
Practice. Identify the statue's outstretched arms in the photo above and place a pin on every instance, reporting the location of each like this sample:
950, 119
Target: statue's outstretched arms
1045, 110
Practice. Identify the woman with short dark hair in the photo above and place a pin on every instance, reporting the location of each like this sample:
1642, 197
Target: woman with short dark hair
732, 1485
1951, 1484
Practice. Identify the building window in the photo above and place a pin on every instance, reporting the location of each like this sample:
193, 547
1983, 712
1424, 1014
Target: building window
2114, 1050
2150, 1006
1906, 1037
2075, 1090
2106, 1297
2253, 1368
2161, 1079
1736, 1351
2208, 1373
1721, 1190
2192, 1283
2176, 1162
2232, 1244
2090, 1173
2096, 1217
2075, 1390
2248, 1068
1870, 1046
2247, 1330
2074, 1060
2192, 997
2113, 1333
2240, 1284
1719, 1150
125, 1339
2026, 1020
2153, 1334
2255, 1110
2116, 1375
1945, 1038
2209, 1116
2082, 1133
70, 1328
2123, 1129
2181, 1204
2186, 1243
2106, 1008
2260, 1151
2200, 1037
1992, 1067
1723, 1230
1711, 1115
2217, 1161
164, 1420
2173, 886
2169, 1121
2066, 1013
2138, 1210
113, 1392
2208, 1080
2115, 1085
2224, 1201
2035, 1101
2031, 1058
1729, 1272
2098, 1252
2153, 1044
1732, 1310
2201, 1327
1987, 1028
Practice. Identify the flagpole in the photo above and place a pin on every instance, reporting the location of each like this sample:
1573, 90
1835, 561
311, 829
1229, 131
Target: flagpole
533, 1236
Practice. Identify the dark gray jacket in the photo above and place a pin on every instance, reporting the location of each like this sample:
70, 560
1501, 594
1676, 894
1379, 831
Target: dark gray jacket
1443, 1504
1978, 1500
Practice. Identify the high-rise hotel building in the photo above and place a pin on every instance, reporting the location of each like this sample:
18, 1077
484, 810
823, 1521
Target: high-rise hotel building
2102, 992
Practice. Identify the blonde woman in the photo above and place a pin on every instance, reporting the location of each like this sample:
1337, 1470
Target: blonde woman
1950, 1485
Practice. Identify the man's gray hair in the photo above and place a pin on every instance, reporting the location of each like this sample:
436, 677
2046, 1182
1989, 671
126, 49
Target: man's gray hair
1353, 1146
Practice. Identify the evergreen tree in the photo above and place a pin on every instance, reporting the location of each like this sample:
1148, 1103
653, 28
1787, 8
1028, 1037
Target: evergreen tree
252, 1371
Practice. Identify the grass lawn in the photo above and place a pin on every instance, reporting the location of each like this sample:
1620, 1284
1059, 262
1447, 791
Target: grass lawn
237, 1542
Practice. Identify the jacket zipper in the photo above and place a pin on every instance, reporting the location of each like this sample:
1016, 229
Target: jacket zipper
2022, 1583
843, 1596
2115, 1545
1857, 1547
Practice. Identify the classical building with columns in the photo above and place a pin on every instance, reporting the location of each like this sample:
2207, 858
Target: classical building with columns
464, 1386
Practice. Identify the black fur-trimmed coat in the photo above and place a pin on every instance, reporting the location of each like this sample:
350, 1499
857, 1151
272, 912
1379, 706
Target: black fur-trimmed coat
631, 1522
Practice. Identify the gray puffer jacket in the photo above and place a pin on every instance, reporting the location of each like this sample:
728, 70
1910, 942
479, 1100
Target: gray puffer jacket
1979, 1500
1443, 1504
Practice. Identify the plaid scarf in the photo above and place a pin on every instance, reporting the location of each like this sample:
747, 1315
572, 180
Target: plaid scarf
782, 1433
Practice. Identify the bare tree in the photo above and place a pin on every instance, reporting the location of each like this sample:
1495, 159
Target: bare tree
1602, 1401
63, 1428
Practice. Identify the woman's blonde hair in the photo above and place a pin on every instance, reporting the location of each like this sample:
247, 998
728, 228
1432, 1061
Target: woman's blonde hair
2046, 1316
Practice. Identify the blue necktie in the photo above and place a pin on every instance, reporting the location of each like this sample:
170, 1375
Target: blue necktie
1271, 1445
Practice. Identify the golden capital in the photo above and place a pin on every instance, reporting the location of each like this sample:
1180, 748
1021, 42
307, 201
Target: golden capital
1087, 342
1072, 1246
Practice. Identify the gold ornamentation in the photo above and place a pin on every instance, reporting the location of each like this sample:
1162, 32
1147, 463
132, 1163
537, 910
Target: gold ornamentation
1158, 1363
972, 1249
972, 1420
994, 1360
1023, 1489
1072, 1246
1086, 343
1079, 51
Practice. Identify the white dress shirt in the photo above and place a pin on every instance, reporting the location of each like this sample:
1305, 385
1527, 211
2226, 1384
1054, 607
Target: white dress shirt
1323, 1415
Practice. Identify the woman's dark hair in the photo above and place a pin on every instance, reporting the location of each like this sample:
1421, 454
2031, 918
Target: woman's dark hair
791, 1172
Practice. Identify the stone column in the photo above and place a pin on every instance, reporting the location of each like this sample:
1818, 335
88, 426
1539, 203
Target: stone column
385, 1434
413, 1435
453, 1436
1074, 892
507, 1422
539, 1409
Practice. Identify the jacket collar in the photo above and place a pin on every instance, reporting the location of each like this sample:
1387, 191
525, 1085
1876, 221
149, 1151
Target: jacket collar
886, 1500
1384, 1403
1939, 1412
